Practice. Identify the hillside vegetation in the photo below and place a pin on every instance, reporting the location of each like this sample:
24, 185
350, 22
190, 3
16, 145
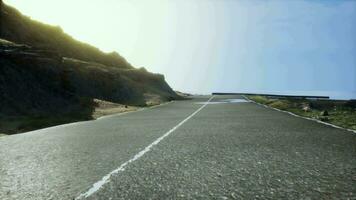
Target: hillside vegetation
48, 78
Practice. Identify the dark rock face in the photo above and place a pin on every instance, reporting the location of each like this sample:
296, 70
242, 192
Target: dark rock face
30, 83
33, 79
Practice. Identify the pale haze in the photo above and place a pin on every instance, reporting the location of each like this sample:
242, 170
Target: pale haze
203, 46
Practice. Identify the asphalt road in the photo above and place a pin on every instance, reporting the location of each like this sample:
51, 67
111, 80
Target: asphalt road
225, 149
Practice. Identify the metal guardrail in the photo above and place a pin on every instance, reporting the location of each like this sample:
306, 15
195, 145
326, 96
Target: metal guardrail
274, 95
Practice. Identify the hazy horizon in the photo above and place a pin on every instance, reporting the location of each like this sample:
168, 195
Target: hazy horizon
294, 47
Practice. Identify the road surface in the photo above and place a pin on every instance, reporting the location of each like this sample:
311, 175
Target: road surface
224, 149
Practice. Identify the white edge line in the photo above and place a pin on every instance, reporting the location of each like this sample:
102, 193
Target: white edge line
87, 121
295, 115
140, 109
98, 185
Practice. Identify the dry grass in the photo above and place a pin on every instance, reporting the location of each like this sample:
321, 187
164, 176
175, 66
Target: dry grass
104, 108
340, 113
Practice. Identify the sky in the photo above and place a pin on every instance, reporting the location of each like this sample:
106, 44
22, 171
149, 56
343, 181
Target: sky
204, 46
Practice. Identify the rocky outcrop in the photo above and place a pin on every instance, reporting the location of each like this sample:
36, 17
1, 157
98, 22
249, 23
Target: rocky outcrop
34, 79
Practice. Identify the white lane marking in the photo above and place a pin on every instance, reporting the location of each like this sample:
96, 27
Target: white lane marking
295, 115
210, 103
98, 185
138, 110
236, 100
120, 114
225, 101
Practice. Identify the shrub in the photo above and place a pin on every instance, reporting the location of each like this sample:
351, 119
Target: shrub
283, 105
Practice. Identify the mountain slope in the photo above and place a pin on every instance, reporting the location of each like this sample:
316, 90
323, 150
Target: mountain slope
21, 29
48, 78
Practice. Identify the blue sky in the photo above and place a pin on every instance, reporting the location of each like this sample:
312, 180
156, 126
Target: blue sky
202, 46
293, 46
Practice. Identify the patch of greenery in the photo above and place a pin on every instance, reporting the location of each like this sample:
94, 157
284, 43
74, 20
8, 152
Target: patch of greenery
283, 105
340, 113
